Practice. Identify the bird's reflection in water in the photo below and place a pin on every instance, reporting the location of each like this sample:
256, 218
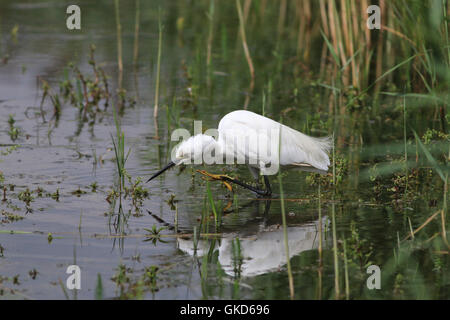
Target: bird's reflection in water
261, 250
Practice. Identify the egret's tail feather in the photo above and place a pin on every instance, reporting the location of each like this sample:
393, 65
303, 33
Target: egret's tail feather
319, 153
310, 150
325, 143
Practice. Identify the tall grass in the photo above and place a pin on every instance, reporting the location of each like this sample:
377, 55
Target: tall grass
247, 52
136, 33
337, 289
158, 74
285, 237
119, 151
210, 40
119, 44
99, 288
136, 46
216, 212
284, 223
320, 232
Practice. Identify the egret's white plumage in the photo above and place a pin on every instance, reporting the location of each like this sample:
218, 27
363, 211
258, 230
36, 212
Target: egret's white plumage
295, 147
193, 149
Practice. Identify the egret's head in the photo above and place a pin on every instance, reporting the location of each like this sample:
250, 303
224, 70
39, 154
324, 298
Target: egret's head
189, 151
193, 149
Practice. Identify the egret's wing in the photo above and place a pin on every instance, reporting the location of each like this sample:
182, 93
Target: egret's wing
263, 139
241, 143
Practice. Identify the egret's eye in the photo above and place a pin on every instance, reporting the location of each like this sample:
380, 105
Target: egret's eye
182, 155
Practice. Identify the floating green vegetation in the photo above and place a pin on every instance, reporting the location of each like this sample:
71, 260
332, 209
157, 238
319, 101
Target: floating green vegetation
93, 186
78, 192
327, 180
172, 201
11, 43
5, 151
8, 150
90, 93
133, 287
25, 196
13, 130
8, 217
55, 195
154, 234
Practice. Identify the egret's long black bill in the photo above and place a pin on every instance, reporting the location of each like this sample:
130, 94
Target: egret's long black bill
169, 165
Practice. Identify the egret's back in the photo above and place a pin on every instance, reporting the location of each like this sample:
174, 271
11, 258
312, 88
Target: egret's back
296, 148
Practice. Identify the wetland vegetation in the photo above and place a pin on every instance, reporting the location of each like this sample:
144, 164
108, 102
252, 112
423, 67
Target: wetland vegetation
87, 115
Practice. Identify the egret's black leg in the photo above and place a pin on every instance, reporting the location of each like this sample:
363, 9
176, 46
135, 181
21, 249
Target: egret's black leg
256, 175
266, 212
244, 185
267, 207
267, 183
251, 188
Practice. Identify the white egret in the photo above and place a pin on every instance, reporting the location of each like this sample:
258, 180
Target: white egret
247, 137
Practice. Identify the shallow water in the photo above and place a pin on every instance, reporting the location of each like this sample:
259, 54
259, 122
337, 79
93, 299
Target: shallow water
66, 157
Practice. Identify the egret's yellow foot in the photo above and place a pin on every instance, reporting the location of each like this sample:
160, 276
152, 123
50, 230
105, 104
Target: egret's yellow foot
220, 177
228, 206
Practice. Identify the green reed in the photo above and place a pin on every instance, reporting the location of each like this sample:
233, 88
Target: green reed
119, 43
136, 33
284, 223
158, 72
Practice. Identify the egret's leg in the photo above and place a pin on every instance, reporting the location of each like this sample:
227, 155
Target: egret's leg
266, 212
226, 178
256, 174
267, 207
216, 177
267, 183
249, 187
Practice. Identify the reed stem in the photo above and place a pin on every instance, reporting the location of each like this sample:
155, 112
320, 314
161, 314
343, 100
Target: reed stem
247, 52
283, 216
158, 73
136, 34
119, 43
